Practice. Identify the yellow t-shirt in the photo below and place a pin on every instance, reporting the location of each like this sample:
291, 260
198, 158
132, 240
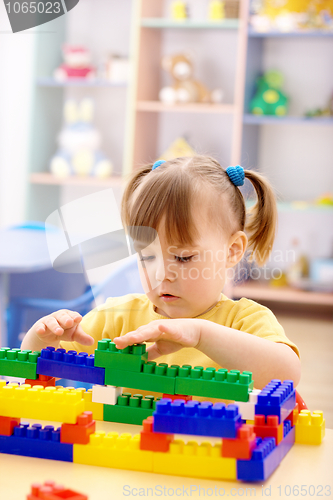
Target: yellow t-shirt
120, 315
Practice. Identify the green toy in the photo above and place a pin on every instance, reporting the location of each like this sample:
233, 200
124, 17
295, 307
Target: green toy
269, 99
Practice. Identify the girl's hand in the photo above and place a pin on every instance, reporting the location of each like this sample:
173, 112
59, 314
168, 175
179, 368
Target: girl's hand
168, 336
61, 325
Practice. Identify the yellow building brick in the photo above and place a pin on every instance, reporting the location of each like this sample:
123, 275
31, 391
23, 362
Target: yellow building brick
310, 427
114, 450
195, 460
38, 403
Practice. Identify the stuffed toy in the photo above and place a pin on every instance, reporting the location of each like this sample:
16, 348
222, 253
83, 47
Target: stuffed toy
79, 142
76, 64
184, 88
269, 99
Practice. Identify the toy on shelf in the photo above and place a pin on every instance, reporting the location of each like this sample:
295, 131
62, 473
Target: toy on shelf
291, 15
79, 144
216, 10
184, 88
269, 98
76, 64
179, 147
117, 69
319, 112
179, 10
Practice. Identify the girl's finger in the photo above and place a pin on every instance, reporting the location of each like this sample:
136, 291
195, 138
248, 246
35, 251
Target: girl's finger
40, 328
82, 337
52, 324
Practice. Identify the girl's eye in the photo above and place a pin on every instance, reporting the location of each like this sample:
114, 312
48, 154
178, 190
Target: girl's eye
179, 259
144, 258
184, 259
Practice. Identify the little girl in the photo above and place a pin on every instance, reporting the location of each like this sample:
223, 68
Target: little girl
198, 213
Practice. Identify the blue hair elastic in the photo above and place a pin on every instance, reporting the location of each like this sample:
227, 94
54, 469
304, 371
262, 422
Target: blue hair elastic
236, 175
157, 164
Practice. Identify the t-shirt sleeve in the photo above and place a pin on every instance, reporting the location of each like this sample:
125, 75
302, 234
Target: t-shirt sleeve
258, 320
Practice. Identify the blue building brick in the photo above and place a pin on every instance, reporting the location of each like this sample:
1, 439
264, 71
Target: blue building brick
38, 442
70, 365
277, 398
200, 419
266, 456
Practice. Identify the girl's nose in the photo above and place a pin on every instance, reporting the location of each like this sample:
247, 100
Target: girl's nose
164, 270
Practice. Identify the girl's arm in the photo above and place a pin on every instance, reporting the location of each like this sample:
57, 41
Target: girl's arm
232, 349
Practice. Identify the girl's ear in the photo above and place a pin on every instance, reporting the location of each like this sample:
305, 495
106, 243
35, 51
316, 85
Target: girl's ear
236, 248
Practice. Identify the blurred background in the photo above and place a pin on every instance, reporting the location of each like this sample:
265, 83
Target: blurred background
111, 85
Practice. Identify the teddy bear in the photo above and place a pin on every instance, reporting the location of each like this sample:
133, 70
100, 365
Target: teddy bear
76, 64
184, 88
79, 142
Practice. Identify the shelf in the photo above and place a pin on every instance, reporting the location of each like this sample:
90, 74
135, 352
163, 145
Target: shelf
262, 292
291, 34
77, 82
48, 178
249, 119
193, 107
298, 207
161, 22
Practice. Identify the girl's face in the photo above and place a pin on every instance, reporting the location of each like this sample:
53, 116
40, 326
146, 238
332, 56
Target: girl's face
193, 277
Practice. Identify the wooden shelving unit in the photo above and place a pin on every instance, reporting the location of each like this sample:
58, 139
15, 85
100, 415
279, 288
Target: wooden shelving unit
48, 178
149, 27
286, 298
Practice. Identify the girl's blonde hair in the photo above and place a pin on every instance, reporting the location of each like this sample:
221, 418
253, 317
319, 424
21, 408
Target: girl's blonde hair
172, 188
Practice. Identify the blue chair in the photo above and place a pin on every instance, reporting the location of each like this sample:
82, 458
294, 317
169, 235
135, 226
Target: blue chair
123, 280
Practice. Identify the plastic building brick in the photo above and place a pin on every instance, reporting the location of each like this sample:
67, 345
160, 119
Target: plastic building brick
193, 460
17, 363
266, 456
277, 398
71, 365
211, 383
156, 378
293, 416
106, 394
242, 446
112, 450
247, 409
7, 425
130, 359
310, 427
130, 409
268, 427
43, 380
51, 491
36, 441
95, 408
173, 397
193, 417
79, 432
154, 441
36, 402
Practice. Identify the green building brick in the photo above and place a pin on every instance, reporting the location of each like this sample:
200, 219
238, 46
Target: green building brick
131, 358
156, 378
213, 383
130, 409
17, 363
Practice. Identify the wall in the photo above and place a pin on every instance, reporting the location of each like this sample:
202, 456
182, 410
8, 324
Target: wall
16, 63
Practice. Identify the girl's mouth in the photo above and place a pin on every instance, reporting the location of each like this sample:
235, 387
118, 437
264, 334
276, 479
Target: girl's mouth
168, 298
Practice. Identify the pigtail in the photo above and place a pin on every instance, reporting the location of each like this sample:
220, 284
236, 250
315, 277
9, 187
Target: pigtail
261, 219
133, 182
